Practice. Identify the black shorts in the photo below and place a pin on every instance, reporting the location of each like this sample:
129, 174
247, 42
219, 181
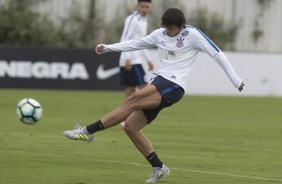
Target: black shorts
171, 93
135, 77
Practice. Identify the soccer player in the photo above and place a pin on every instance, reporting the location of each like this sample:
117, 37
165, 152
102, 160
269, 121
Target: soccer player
178, 45
132, 74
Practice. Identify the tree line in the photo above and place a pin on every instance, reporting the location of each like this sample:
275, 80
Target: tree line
20, 25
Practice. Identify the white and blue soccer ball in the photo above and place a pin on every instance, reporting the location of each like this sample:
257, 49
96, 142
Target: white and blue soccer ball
29, 111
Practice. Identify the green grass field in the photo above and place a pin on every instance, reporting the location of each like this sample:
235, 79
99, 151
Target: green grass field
204, 140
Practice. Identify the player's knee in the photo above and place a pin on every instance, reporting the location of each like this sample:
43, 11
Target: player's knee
130, 102
126, 127
129, 129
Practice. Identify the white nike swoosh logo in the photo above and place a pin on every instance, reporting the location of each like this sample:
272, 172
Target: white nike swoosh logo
103, 74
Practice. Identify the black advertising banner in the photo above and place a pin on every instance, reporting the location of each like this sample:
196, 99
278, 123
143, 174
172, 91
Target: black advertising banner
58, 69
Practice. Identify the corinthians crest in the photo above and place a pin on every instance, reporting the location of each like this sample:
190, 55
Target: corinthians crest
180, 43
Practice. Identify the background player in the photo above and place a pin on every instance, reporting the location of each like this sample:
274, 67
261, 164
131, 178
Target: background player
132, 73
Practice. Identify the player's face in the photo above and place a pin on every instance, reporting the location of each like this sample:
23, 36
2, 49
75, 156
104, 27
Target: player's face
172, 31
143, 8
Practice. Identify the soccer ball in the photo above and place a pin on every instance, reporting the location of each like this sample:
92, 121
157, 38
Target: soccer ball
29, 111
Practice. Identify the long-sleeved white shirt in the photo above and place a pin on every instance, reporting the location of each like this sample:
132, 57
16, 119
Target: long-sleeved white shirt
135, 26
178, 54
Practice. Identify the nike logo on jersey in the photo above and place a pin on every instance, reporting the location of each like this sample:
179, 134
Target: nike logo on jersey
103, 74
163, 42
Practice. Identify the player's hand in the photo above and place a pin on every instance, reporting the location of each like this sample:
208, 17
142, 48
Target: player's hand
241, 86
151, 66
128, 65
100, 49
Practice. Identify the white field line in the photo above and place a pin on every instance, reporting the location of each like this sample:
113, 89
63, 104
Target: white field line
155, 142
143, 165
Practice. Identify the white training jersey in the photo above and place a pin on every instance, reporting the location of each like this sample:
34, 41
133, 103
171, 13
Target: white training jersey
177, 54
135, 26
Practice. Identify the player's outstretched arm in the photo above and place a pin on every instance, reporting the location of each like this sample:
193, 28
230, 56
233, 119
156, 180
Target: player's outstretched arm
241, 87
100, 49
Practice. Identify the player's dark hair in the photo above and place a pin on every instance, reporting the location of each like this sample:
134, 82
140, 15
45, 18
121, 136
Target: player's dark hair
148, 1
173, 17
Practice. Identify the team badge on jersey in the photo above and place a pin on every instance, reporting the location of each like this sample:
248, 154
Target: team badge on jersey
180, 43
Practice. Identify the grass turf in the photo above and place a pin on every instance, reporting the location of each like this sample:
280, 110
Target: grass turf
214, 140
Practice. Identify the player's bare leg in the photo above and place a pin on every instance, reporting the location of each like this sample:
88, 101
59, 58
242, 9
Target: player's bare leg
146, 98
128, 91
134, 123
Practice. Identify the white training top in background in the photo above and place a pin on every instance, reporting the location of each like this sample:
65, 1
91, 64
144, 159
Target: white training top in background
135, 26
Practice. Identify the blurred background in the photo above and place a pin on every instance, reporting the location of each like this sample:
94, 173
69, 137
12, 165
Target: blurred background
249, 32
